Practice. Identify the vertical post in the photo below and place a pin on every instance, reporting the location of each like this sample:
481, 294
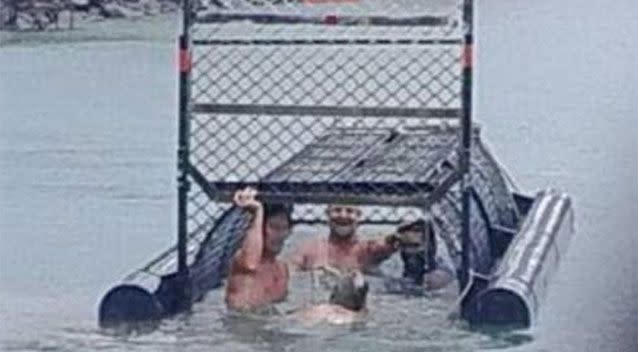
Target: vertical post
71, 8
466, 140
183, 184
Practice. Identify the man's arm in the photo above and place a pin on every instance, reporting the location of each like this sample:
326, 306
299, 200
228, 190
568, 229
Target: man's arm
249, 255
378, 250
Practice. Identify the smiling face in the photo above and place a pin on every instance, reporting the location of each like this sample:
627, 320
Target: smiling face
343, 220
276, 230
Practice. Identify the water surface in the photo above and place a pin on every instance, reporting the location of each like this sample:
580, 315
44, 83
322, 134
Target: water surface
87, 190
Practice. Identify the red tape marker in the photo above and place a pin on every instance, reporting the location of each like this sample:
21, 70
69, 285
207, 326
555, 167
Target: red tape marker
184, 60
467, 56
331, 19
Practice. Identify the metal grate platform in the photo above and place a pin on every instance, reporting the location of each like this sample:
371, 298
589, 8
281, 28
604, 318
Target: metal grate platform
361, 166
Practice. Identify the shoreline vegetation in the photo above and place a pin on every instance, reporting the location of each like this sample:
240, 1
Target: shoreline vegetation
59, 21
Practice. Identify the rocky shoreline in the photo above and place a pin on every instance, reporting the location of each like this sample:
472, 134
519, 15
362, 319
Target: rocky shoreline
40, 15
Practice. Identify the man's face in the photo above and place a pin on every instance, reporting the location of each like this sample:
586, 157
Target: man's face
277, 231
343, 220
413, 241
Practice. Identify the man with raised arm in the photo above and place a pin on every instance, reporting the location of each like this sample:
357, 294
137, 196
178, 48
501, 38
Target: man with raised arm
342, 248
257, 278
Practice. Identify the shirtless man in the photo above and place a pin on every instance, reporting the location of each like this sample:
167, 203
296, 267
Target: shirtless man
342, 248
257, 278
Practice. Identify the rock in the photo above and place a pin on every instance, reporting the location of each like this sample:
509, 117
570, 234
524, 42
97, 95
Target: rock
166, 6
111, 10
80, 3
8, 15
40, 14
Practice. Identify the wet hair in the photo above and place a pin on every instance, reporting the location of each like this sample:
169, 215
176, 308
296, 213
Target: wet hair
347, 294
416, 264
274, 209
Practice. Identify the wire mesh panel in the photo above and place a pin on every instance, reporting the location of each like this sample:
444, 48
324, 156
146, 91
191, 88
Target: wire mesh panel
327, 74
272, 78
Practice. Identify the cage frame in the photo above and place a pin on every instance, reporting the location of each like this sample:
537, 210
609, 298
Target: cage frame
188, 174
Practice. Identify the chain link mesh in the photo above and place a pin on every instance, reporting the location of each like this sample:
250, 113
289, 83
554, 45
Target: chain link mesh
288, 93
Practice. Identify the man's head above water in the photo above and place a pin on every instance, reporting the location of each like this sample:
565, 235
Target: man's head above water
418, 249
277, 224
276, 219
343, 220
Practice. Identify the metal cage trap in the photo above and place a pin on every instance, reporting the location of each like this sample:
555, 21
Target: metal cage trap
318, 102
294, 98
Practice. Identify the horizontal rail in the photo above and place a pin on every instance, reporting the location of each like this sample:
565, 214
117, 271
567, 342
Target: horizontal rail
328, 198
428, 196
365, 221
301, 110
277, 42
330, 20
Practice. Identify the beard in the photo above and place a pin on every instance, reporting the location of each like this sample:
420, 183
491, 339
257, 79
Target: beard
343, 230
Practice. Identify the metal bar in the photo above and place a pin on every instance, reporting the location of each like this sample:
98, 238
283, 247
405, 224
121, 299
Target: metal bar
71, 14
362, 222
327, 198
466, 143
280, 42
201, 181
300, 110
331, 20
183, 184
506, 230
440, 190
224, 192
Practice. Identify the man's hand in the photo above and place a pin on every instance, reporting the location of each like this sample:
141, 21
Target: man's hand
405, 239
393, 240
246, 198
249, 256
413, 234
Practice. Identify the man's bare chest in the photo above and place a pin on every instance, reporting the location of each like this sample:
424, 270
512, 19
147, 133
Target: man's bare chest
272, 279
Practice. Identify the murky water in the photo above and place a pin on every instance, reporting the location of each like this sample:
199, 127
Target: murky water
87, 190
